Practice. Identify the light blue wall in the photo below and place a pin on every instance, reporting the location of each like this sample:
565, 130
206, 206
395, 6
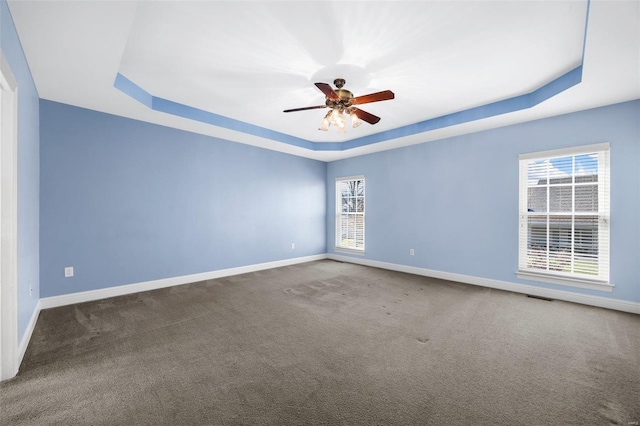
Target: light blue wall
28, 170
124, 201
455, 201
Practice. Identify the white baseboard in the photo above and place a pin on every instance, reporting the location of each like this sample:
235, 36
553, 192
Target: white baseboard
26, 337
88, 296
602, 302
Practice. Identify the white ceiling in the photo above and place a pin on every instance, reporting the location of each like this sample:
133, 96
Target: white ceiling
250, 60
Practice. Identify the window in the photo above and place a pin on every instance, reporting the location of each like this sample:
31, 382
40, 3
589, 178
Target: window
564, 217
350, 213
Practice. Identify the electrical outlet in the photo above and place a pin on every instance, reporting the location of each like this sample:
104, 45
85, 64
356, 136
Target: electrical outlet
412, 252
68, 271
293, 246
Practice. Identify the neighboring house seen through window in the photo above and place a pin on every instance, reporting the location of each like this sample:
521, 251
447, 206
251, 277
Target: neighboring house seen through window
564, 217
350, 213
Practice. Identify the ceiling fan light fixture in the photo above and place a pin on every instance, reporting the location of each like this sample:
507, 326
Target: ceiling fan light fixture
324, 125
337, 118
355, 120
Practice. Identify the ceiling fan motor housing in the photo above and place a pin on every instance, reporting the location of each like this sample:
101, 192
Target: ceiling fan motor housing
344, 96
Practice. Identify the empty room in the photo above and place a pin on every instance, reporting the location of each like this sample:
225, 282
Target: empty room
320, 212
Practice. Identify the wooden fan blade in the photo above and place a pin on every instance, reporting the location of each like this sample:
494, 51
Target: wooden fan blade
328, 91
373, 97
365, 116
305, 108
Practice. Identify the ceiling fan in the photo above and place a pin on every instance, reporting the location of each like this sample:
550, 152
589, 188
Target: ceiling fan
341, 101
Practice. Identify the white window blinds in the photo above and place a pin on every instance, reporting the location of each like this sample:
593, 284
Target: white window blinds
564, 213
350, 213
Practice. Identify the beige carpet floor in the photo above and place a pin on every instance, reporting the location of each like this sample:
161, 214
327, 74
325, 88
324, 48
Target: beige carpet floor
328, 343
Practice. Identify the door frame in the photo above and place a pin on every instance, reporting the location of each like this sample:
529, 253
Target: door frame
8, 222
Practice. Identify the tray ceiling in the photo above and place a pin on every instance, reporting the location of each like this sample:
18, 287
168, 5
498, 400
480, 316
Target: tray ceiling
242, 63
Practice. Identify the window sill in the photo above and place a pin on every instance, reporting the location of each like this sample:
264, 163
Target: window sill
348, 251
568, 281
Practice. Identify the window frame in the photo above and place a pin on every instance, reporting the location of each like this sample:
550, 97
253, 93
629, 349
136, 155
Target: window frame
338, 214
602, 282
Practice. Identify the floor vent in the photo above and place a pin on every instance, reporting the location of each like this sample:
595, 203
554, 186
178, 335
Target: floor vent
539, 297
